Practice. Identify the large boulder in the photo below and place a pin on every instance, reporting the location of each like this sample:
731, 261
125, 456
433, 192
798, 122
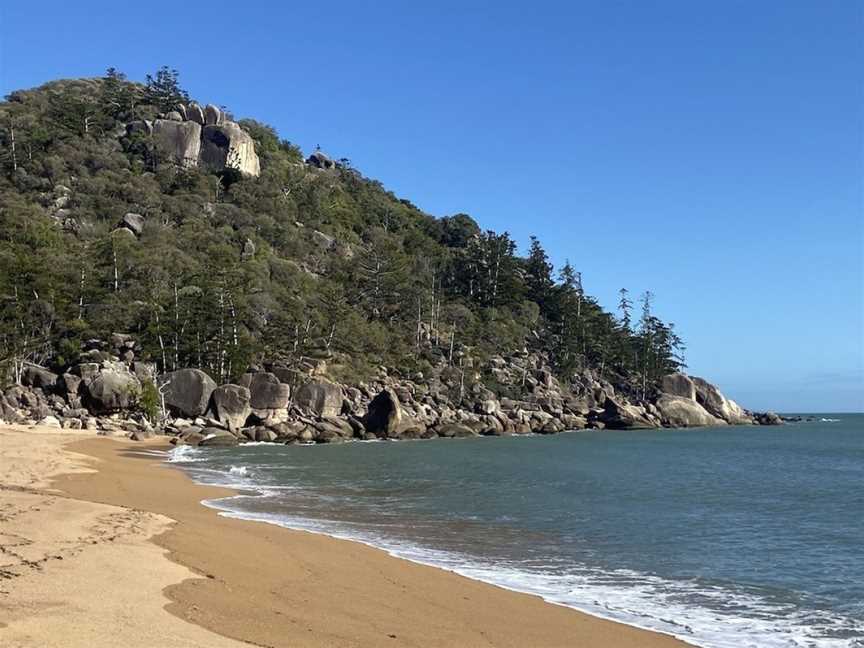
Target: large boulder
226, 145
618, 415
187, 391
133, 222
677, 411
768, 418
112, 390
384, 416
266, 392
322, 398
231, 405
180, 140
36, 376
678, 384
216, 438
709, 397
212, 115
321, 160
195, 113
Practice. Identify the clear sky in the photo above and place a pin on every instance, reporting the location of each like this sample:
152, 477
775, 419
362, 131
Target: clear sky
708, 151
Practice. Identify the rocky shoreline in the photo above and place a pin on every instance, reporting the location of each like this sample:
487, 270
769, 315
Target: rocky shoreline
103, 392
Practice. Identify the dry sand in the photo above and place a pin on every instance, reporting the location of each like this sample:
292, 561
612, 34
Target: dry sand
125, 555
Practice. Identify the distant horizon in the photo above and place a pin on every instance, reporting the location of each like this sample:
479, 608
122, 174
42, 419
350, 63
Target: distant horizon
701, 153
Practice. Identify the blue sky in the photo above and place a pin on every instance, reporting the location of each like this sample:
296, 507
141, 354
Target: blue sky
708, 151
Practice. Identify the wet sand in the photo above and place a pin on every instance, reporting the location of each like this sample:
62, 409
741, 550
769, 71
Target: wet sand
233, 579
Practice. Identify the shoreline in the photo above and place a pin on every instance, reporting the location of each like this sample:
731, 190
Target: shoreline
269, 585
395, 553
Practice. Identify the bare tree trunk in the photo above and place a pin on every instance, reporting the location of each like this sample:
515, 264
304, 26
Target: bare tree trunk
14, 154
452, 339
116, 272
221, 349
81, 295
176, 328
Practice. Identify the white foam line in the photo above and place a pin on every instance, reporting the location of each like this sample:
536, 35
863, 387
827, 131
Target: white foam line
610, 601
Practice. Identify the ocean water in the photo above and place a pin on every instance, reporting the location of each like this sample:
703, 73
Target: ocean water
726, 538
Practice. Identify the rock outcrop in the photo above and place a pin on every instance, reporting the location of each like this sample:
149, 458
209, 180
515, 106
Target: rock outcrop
231, 404
688, 401
193, 136
677, 411
618, 415
266, 392
187, 391
321, 160
709, 397
111, 390
384, 417
322, 399
101, 390
226, 145
180, 140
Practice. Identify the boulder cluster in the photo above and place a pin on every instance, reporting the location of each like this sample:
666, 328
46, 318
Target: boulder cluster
103, 390
201, 137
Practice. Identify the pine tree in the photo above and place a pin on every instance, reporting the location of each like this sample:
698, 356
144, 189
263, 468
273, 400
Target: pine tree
538, 277
164, 91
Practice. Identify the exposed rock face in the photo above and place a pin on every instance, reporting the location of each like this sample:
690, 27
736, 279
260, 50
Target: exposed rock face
384, 417
324, 399
110, 391
195, 113
36, 376
321, 160
187, 391
143, 126
226, 145
678, 384
677, 411
133, 222
266, 392
193, 136
231, 405
180, 140
709, 397
618, 415
212, 115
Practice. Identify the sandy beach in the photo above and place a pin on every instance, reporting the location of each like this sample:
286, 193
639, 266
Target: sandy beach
103, 546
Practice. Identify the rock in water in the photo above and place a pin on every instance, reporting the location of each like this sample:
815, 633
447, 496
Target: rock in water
231, 405
709, 397
384, 416
324, 399
619, 415
180, 140
678, 411
216, 438
187, 391
227, 145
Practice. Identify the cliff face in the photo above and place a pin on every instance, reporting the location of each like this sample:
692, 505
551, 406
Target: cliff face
196, 137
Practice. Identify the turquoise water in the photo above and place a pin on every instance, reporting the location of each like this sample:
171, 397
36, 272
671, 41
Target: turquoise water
745, 536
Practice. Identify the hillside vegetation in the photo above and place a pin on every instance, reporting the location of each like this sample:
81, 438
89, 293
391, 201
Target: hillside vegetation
309, 266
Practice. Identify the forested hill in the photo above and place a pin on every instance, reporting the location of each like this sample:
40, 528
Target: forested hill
126, 207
